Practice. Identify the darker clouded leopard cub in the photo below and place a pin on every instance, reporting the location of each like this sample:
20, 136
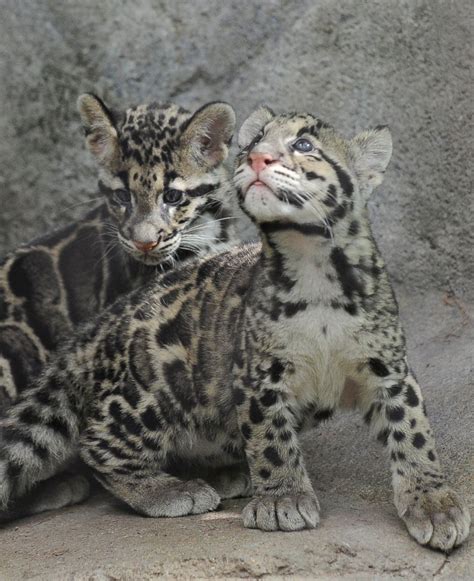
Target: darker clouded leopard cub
165, 188
223, 362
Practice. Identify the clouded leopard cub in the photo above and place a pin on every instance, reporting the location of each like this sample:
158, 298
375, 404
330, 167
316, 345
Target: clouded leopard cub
223, 362
164, 190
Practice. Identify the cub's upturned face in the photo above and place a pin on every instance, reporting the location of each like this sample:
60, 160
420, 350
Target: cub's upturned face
159, 168
296, 168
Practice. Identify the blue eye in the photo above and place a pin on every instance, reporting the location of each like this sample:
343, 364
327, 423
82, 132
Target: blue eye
303, 145
172, 197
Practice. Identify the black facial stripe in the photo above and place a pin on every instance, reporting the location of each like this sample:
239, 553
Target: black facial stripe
109, 192
312, 175
123, 175
344, 179
201, 190
281, 173
103, 189
338, 213
313, 129
307, 229
211, 206
289, 197
331, 197
254, 142
302, 131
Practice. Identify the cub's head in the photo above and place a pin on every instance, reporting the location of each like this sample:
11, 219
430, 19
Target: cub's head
159, 168
295, 168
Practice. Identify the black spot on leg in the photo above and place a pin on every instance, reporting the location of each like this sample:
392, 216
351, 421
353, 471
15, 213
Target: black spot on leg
131, 424
29, 416
431, 456
395, 414
150, 419
255, 413
178, 379
398, 436
239, 396
265, 474
269, 435
419, 440
322, 415
412, 423
410, 397
378, 367
279, 421
350, 308
354, 228
382, 437
285, 436
394, 390
269, 398
59, 425
271, 454
369, 414
131, 394
246, 431
276, 370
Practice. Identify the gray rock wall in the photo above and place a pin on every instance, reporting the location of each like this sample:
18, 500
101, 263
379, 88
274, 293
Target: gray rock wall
354, 63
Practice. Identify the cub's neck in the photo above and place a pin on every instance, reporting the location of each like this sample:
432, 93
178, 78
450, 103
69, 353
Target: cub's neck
313, 263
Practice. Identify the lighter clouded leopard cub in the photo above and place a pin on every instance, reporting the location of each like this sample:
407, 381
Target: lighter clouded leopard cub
164, 185
165, 199
222, 362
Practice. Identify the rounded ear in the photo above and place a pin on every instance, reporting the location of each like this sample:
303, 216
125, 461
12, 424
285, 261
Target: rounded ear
254, 124
371, 151
207, 135
99, 127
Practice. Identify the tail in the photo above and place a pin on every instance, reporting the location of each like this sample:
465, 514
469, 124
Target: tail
38, 435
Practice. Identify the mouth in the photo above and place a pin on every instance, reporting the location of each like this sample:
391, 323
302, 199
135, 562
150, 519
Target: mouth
258, 183
153, 257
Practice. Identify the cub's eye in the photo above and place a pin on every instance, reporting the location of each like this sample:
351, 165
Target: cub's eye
122, 197
172, 197
303, 145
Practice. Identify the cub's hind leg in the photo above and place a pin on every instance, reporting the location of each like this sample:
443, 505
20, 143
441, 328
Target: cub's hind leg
129, 466
433, 513
231, 481
56, 492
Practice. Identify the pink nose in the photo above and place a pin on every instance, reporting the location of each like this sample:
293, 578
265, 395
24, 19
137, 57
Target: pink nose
259, 161
144, 246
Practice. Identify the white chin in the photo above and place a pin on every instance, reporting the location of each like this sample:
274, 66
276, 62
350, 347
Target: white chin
261, 203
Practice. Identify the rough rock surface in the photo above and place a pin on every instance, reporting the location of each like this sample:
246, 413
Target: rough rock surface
355, 64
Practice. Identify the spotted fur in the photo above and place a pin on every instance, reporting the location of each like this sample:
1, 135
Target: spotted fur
51, 285
222, 363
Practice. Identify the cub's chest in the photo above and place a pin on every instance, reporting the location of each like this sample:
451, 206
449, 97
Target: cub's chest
323, 350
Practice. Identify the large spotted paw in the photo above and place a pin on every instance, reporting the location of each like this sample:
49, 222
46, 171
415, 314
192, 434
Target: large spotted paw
191, 497
435, 517
282, 513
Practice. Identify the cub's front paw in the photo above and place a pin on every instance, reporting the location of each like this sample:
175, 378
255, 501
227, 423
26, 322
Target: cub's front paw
190, 497
282, 513
434, 517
